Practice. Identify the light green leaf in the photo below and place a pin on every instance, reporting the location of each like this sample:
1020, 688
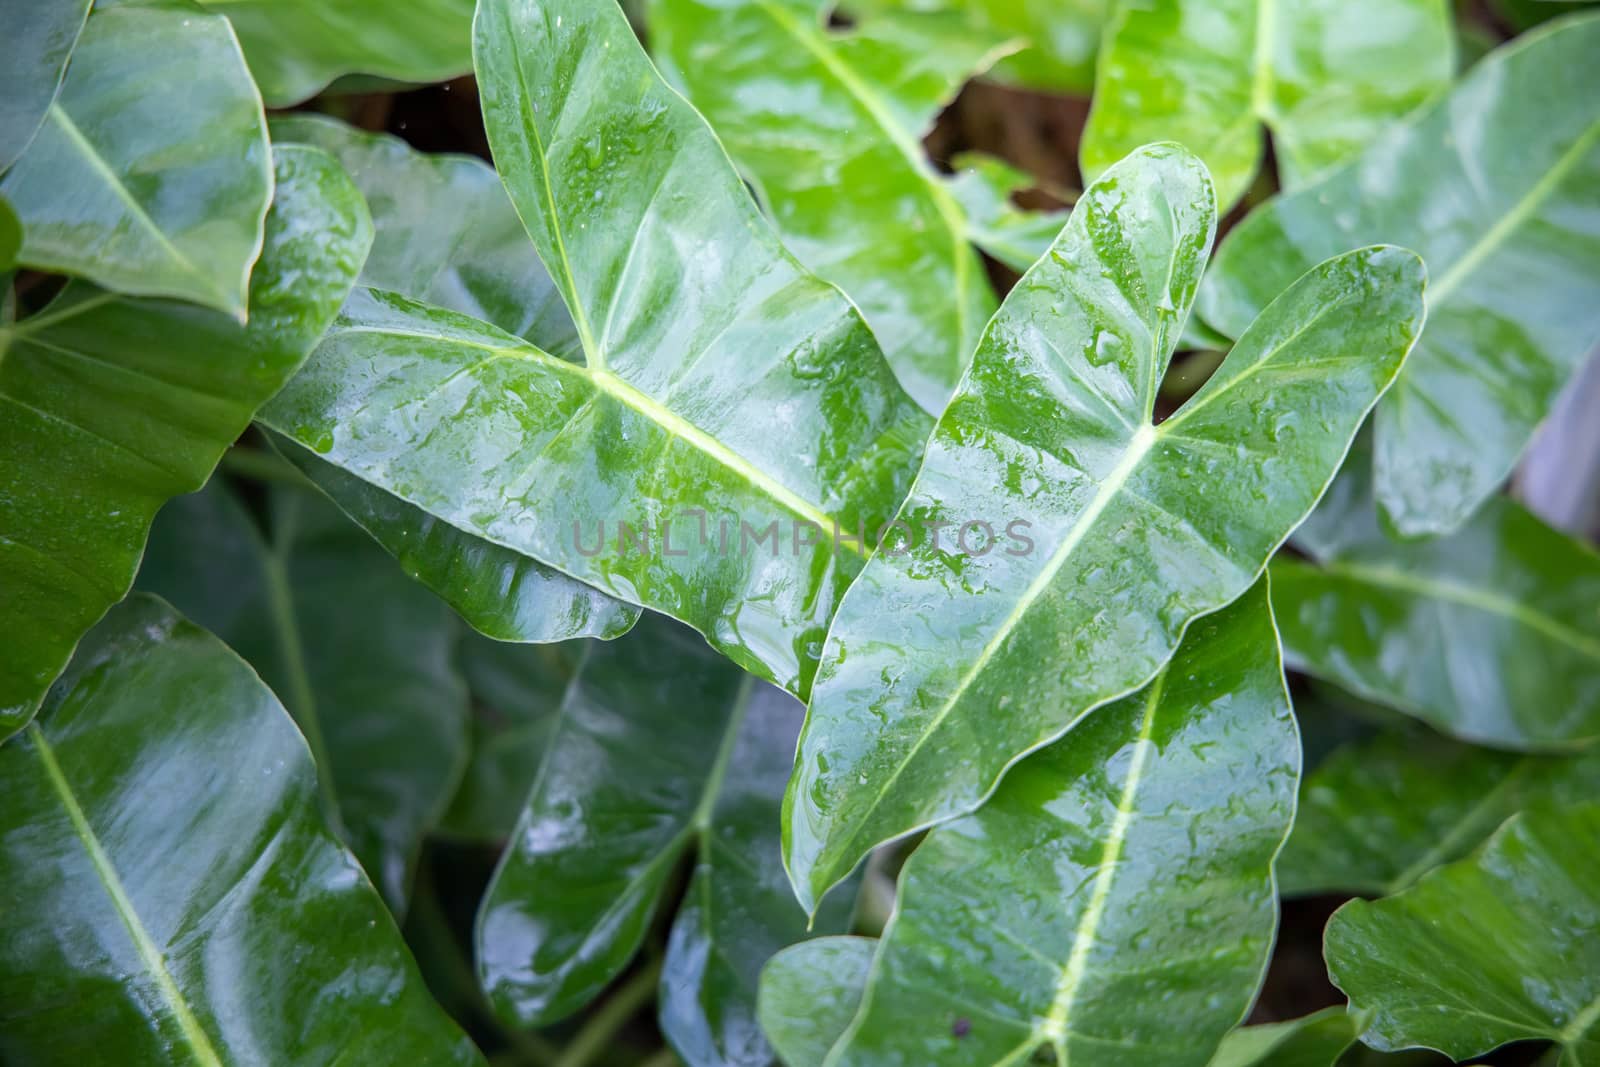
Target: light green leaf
1379, 814
185, 902
115, 405
984, 187
1317, 1040
1323, 78
723, 389
1513, 250
809, 994
39, 39
295, 47
1502, 946
151, 173
843, 175
1136, 862
1107, 534
358, 654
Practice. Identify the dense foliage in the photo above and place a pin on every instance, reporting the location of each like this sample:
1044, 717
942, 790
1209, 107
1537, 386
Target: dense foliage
746, 554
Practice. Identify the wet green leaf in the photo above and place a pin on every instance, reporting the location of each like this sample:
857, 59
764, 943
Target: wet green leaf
1317, 1040
845, 178
809, 994
39, 39
359, 654
174, 895
984, 187
1134, 861
1107, 534
295, 47
115, 405
151, 173
1322, 78
724, 388
1492, 184
1502, 946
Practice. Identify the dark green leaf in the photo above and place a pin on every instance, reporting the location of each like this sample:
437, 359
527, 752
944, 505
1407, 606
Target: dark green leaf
172, 892
809, 994
151, 173
1107, 534
1502, 946
38, 40
1493, 185
10, 243
115, 405
1318, 1040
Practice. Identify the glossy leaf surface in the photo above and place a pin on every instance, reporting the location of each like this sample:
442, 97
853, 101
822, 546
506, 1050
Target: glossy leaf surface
809, 994
723, 385
360, 656
984, 187
1317, 1040
1494, 185
33, 56
947, 663
845, 177
296, 47
151, 173
1135, 863
1323, 77
114, 405
1502, 946
172, 891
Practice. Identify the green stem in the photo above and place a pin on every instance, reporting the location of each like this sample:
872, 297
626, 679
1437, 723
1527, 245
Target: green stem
610, 1018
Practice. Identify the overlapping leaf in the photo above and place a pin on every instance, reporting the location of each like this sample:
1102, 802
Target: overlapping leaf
114, 405
845, 177
810, 992
1502, 946
172, 892
1135, 863
295, 47
724, 389
360, 656
1105, 534
1316, 1040
984, 187
1493, 184
33, 56
151, 173
1323, 78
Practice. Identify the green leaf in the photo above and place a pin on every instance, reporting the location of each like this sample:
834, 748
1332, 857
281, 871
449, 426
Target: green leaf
1107, 535
295, 47
1317, 1040
1489, 635
151, 173
1212, 73
10, 243
1513, 250
1136, 862
723, 386
38, 41
373, 690
173, 892
845, 178
984, 187
809, 994
115, 405
1379, 814
628, 786
1502, 946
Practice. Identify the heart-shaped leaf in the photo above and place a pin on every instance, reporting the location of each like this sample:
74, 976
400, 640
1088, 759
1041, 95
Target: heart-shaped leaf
174, 893
809, 994
1211, 74
115, 405
151, 173
947, 664
1513, 250
38, 41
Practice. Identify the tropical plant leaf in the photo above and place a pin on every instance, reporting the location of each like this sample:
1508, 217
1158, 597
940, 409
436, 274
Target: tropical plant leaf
947, 664
115, 405
1379, 814
10, 245
173, 892
374, 691
723, 388
33, 56
1212, 74
1514, 252
151, 173
845, 178
984, 187
809, 994
1502, 946
1489, 634
1317, 1040
1138, 859
628, 786
295, 47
